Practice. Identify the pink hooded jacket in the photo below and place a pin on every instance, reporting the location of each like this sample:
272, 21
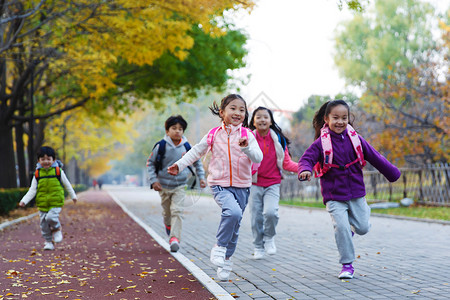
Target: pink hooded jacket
230, 165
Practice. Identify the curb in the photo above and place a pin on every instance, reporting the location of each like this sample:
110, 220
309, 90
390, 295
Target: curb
9, 223
443, 222
198, 273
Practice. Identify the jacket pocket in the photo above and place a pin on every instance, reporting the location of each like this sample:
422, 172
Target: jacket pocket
217, 168
244, 168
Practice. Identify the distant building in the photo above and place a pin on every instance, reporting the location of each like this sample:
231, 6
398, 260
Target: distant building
281, 116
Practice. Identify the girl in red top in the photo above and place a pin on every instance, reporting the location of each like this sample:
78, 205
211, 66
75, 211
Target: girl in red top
265, 191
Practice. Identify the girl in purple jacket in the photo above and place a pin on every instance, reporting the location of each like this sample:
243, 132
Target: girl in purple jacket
342, 186
265, 191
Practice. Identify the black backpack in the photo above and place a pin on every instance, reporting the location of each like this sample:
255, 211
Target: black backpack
159, 157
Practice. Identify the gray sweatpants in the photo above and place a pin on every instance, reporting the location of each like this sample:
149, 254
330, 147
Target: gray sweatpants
49, 222
347, 216
264, 211
233, 202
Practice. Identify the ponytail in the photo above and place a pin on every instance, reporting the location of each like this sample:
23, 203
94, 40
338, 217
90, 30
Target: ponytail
319, 119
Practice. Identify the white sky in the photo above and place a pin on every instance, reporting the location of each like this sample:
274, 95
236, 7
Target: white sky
291, 50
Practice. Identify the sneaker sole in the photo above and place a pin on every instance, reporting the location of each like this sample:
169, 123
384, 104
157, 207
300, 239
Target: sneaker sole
345, 276
174, 248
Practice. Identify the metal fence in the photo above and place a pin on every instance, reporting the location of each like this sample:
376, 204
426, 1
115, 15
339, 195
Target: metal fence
429, 184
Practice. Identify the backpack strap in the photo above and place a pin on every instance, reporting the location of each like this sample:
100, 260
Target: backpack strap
282, 141
211, 135
188, 147
325, 138
57, 175
244, 132
160, 155
210, 138
356, 142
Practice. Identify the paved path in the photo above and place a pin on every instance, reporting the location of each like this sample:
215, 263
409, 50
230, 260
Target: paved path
398, 259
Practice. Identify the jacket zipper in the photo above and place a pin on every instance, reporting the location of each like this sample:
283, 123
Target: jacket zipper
229, 159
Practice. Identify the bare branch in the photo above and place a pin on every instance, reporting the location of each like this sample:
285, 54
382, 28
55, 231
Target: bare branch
24, 16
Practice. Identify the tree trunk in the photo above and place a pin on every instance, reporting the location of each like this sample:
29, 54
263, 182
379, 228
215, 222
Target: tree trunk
31, 150
7, 161
20, 154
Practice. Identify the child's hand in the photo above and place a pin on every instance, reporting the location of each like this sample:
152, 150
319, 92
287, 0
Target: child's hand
202, 183
173, 169
157, 186
74, 200
21, 204
243, 142
305, 175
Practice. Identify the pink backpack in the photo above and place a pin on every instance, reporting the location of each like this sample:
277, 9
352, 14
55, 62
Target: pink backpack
212, 134
325, 138
244, 134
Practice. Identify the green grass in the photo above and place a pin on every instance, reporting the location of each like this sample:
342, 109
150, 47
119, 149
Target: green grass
415, 211
419, 211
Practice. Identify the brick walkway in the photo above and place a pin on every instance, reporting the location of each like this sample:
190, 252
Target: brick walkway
398, 259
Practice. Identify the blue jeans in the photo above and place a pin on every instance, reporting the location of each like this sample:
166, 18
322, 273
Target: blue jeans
233, 202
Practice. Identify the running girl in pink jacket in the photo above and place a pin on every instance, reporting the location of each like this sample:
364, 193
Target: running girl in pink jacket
233, 150
265, 191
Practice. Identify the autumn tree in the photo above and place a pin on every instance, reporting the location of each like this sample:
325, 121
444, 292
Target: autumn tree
60, 55
390, 53
57, 56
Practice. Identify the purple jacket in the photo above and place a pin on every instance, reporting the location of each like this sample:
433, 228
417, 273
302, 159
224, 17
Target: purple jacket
347, 184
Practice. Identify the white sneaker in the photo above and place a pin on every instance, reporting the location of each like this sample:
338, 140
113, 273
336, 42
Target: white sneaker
218, 255
49, 246
258, 253
57, 236
223, 273
270, 247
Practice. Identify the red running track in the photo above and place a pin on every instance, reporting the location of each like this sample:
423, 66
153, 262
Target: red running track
104, 254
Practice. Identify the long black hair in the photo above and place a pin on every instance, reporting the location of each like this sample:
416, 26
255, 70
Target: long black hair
215, 108
324, 110
274, 125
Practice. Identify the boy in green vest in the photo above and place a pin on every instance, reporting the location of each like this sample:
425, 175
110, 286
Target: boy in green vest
47, 186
